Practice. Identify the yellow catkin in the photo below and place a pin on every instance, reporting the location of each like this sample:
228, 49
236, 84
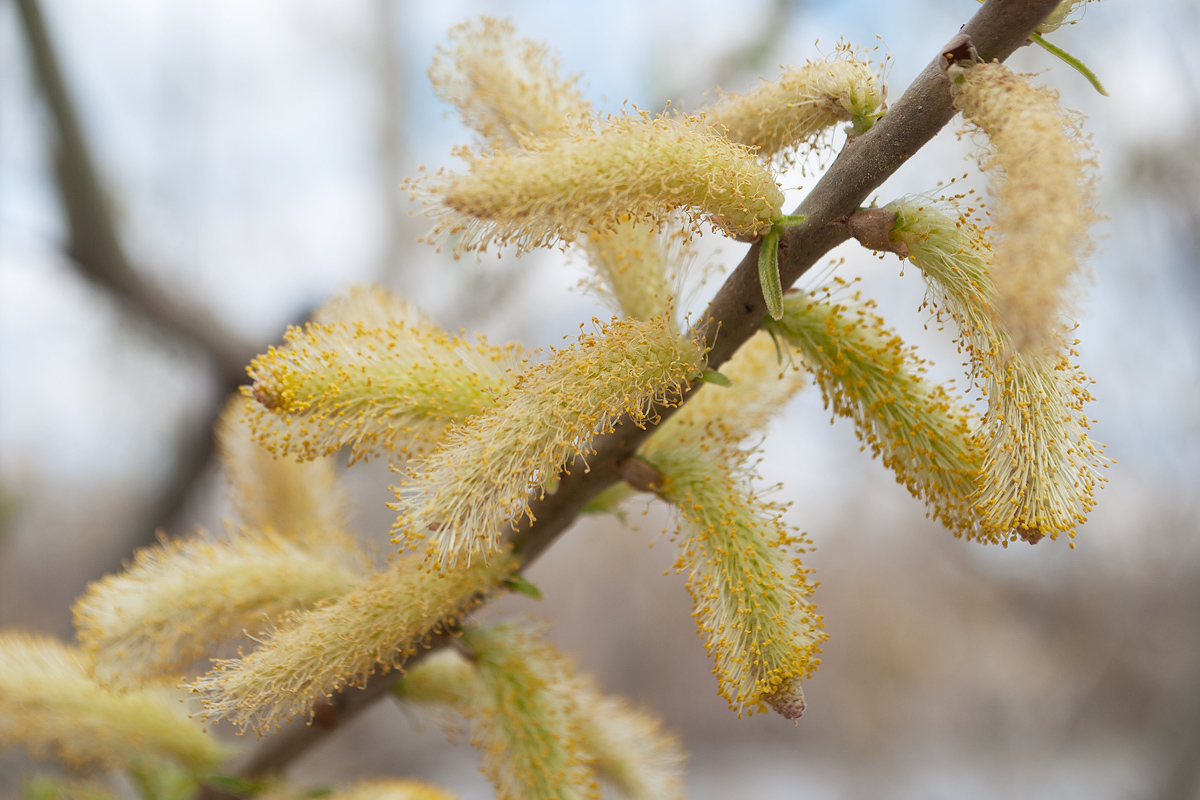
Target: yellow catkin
634, 167
626, 748
1040, 467
782, 118
301, 501
180, 600
526, 718
50, 705
867, 373
631, 752
506, 88
1040, 161
638, 267
390, 383
482, 475
749, 590
316, 653
391, 789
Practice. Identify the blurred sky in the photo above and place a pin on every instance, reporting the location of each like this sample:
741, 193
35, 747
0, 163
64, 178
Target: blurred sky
241, 145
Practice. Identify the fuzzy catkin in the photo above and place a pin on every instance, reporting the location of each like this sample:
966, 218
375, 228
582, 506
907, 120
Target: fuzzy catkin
50, 705
179, 600
639, 168
635, 265
390, 384
1041, 160
301, 501
781, 118
316, 653
626, 748
481, 477
392, 789
1040, 468
526, 721
867, 373
506, 88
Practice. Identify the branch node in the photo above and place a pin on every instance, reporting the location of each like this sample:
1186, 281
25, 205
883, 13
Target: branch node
639, 474
872, 227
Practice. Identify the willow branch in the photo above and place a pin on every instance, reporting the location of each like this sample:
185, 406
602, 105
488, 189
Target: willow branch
734, 315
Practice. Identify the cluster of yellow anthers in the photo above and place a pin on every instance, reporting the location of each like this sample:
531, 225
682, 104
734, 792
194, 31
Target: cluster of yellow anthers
50, 703
315, 653
1039, 467
747, 584
506, 89
1045, 202
481, 476
780, 118
869, 375
545, 731
391, 383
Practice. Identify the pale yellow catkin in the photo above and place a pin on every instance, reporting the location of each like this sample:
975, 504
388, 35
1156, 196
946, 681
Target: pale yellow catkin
50, 705
636, 266
869, 375
389, 384
1040, 467
749, 589
1041, 162
782, 118
301, 501
626, 748
180, 600
634, 167
526, 718
483, 474
392, 789
313, 654
506, 88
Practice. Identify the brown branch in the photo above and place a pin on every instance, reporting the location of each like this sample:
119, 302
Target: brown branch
735, 313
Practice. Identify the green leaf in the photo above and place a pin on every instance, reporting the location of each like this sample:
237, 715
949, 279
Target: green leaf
518, 583
714, 377
768, 273
1071, 60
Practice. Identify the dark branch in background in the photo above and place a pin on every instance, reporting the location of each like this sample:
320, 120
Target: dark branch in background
997, 30
95, 248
